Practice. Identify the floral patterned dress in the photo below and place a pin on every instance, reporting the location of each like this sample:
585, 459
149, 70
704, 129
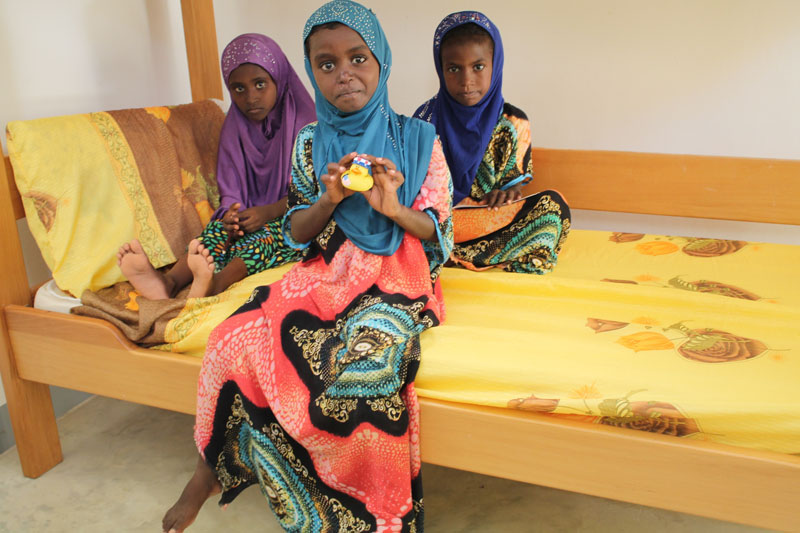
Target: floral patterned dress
525, 236
307, 390
260, 250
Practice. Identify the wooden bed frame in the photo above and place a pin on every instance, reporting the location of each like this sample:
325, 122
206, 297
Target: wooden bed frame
41, 348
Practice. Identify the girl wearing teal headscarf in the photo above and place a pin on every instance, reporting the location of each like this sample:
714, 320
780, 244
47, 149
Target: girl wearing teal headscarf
307, 390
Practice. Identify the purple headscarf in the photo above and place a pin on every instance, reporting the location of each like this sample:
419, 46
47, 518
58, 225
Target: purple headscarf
465, 131
254, 160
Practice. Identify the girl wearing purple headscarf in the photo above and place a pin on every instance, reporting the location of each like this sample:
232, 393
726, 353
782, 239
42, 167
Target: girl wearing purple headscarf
270, 105
487, 145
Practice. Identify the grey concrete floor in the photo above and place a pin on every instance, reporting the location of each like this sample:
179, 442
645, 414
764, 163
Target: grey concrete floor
125, 464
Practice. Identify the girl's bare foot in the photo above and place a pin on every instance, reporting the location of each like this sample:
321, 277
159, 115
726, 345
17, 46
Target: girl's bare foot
201, 487
135, 265
202, 265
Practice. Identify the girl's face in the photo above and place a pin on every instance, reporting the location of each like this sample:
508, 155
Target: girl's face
467, 67
253, 91
344, 68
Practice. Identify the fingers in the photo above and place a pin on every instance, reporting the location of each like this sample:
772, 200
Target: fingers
498, 198
231, 217
334, 174
385, 172
333, 181
345, 160
249, 220
233, 230
386, 163
490, 200
380, 164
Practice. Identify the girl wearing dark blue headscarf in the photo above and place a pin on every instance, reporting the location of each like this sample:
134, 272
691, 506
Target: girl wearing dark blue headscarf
307, 390
487, 145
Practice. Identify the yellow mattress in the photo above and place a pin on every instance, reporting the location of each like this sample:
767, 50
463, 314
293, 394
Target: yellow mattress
692, 337
696, 338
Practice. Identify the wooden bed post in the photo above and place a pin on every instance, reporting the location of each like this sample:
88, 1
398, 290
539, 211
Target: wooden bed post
29, 405
200, 33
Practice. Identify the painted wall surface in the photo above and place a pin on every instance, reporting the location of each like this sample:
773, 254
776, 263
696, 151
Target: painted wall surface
716, 77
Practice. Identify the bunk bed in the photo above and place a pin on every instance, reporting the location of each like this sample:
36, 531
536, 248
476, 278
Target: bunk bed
745, 485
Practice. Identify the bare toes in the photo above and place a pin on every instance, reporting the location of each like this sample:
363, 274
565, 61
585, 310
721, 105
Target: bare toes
194, 246
136, 246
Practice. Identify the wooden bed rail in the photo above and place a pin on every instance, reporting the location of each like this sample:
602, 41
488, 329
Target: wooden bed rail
632, 466
726, 188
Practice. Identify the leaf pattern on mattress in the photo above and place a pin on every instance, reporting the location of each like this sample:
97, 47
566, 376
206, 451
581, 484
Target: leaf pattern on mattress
657, 247
713, 287
651, 416
646, 340
708, 345
711, 247
694, 246
535, 404
707, 286
620, 237
600, 325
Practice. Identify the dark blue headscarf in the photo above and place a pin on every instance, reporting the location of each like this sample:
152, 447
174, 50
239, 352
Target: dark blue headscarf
375, 129
465, 131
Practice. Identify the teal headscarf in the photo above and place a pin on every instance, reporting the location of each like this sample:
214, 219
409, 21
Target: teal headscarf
375, 129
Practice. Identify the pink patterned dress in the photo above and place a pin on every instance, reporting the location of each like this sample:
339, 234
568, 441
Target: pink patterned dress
307, 390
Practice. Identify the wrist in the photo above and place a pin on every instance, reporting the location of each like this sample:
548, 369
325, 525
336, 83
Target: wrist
326, 202
400, 214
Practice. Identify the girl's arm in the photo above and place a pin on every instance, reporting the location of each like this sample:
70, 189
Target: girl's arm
383, 199
416, 223
254, 218
496, 198
273, 210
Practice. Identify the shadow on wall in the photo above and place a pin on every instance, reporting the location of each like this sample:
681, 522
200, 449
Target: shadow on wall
168, 48
8, 93
133, 50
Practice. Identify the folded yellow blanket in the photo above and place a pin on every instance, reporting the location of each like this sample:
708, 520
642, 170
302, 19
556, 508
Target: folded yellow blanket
91, 182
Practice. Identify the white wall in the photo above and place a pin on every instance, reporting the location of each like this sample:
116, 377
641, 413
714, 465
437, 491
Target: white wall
716, 77
713, 77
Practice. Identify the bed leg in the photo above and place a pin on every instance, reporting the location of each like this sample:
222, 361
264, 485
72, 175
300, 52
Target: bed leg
32, 417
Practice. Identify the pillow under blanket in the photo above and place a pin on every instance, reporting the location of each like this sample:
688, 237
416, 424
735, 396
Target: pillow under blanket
93, 181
